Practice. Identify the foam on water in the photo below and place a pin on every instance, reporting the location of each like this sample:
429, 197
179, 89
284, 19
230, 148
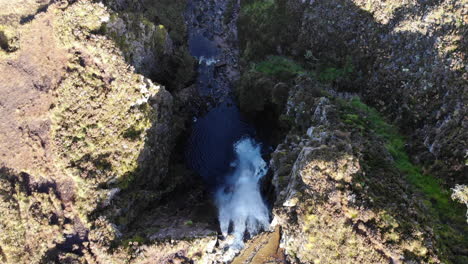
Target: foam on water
221, 148
208, 61
239, 201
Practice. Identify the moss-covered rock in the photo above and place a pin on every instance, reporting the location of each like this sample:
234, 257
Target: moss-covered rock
460, 194
32, 217
152, 36
343, 196
102, 129
266, 27
406, 59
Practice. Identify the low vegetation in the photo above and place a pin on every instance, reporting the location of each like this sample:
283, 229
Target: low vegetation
444, 215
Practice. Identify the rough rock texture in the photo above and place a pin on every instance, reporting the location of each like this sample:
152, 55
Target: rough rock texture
406, 58
412, 61
347, 190
340, 197
152, 36
78, 128
86, 140
33, 217
143, 43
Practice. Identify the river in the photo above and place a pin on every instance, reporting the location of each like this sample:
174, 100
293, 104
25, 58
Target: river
222, 147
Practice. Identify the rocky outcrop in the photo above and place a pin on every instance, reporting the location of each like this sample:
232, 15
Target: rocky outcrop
340, 196
80, 128
152, 36
33, 218
347, 190
407, 59
414, 72
87, 133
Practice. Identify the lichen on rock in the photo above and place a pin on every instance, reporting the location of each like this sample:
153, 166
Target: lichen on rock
333, 207
94, 98
152, 37
32, 218
104, 129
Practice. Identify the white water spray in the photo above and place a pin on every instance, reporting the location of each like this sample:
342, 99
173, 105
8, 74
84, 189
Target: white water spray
240, 202
208, 61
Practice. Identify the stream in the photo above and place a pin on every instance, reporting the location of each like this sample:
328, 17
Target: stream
222, 147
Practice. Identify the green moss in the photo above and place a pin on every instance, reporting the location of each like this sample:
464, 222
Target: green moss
389, 221
25, 218
170, 14
258, 7
98, 126
395, 144
279, 67
152, 29
333, 73
254, 91
264, 25
146, 22
126, 180
285, 69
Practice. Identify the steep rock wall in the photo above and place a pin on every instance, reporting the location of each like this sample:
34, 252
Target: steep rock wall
340, 195
406, 58
80, 127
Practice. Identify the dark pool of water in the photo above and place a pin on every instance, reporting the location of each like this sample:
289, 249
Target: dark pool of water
210, 145
209, 149
201, 46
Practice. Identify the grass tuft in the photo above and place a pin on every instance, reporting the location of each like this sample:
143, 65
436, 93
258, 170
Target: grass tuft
280, 67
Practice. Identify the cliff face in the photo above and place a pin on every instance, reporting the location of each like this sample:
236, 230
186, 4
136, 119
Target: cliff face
347, 188
340, 196
152, 37
406, 58
78, 127
411, 58
90, 171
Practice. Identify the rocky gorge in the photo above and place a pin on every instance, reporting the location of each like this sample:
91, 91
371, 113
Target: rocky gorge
123, 120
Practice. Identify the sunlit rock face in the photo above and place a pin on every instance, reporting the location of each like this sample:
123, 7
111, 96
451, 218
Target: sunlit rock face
340, 196
413, 69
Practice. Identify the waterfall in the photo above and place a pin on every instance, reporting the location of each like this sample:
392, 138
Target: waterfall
221, 146
239, 201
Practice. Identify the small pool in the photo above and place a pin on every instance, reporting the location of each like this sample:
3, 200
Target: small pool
209, 149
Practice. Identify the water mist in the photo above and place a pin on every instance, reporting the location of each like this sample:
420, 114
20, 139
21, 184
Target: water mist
239, 201
221, 148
